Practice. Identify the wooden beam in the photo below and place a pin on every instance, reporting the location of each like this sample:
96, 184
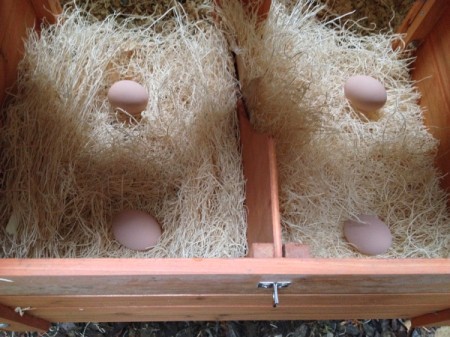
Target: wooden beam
432, 319
21, 322
260, 172
420, 20
222, 276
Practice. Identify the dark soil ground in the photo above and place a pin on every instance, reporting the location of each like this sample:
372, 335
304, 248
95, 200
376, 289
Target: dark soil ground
354, 328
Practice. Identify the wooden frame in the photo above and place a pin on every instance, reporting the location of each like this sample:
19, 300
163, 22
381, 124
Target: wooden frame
73, 290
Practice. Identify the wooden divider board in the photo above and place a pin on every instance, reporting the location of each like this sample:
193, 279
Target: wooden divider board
261, 199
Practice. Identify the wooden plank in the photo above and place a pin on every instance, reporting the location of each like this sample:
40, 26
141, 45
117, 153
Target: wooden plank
224, 307
432, 73
14, 23
295, 250
261, 250
432, 319
2, 78
22, 322
263, 298
410, 16
421, 19
222, 276
220, 313
260, 171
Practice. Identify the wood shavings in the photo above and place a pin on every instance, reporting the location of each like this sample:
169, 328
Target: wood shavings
70, 165
334, 165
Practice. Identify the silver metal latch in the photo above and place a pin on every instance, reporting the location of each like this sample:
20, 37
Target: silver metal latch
275, 286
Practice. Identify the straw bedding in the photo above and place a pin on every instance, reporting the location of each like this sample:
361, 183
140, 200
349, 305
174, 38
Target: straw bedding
333, 162
70, 165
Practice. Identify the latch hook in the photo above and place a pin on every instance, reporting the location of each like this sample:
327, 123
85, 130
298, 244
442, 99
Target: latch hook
275, 286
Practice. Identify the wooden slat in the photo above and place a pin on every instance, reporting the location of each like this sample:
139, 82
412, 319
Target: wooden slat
225, 307
432, 319
2, 77
432, 71
263, 298
222, 276
17, 322
15, 18
421, 19
260, 171
220, 313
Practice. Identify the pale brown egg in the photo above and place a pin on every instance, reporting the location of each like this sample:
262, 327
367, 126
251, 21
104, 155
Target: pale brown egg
368, 234
129, 96
136, 229
365, 93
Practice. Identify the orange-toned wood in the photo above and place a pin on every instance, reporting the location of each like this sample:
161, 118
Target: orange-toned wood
17, 322
433, 319
210, 300
296, 250
421, 19
432, 71
262, 7
221, 313
15, 18
56, 289
260, 170
222, 276
261, 250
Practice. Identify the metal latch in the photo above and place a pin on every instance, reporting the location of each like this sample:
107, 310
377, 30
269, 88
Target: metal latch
275, 286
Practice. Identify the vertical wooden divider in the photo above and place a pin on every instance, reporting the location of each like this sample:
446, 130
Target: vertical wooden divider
260, 172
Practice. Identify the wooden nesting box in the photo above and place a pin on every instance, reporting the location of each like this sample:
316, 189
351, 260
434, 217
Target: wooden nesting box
34, 292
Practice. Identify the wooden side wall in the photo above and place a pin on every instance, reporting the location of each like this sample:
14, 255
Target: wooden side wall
16, 16
432, 71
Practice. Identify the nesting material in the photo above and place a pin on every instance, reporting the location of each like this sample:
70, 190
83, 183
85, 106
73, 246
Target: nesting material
333, 162
71, 165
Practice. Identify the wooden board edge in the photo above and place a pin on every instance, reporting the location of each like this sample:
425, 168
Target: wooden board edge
258, 152
419, 21
19, 268
432, 319
17, 321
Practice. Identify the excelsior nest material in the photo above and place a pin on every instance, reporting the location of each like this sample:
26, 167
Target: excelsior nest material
71, 164
333, 162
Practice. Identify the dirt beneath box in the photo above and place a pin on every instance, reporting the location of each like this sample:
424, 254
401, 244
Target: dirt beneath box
354, 328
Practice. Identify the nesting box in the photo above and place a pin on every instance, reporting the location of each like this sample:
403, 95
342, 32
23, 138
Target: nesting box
276, 281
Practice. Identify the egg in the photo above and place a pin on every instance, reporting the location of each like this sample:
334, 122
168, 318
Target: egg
136, 229
365, 93
368, 234
129, 96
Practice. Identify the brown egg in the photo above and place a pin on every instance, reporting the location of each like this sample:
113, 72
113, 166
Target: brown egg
136, 229
365, 93
368, 234
129, 96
